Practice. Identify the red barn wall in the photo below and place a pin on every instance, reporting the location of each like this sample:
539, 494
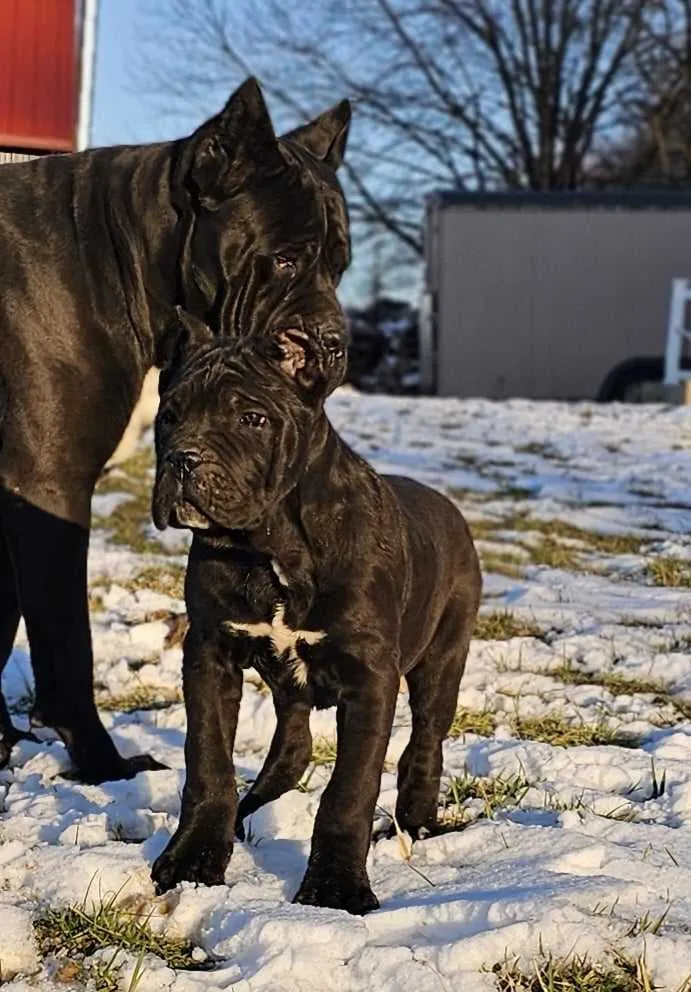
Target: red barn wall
38, 75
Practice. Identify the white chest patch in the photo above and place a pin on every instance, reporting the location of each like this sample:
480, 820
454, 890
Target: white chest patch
279, 573
283, 638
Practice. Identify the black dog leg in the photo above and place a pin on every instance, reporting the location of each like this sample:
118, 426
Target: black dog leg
201, 847
49, 559
433, 687
336, 875
9, 621
288, 757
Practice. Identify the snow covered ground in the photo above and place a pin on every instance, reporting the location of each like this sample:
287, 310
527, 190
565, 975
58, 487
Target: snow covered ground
582, 515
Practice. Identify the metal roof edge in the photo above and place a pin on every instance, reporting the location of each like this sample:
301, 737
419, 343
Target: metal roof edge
632, 199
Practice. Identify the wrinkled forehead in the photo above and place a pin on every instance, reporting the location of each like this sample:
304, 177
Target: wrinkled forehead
224, 370
303, 204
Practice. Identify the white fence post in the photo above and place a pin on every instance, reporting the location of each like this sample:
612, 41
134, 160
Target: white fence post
677, 333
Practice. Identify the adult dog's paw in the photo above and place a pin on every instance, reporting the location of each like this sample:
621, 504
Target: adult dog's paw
349, 892
185, 860
122, 768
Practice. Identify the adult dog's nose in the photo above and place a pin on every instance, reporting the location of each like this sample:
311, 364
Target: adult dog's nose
184, 462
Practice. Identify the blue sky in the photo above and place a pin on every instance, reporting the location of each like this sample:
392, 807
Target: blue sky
120, 115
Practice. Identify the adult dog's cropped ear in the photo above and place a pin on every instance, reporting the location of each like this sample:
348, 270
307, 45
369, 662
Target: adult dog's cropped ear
184, 336
326, 136
234, 144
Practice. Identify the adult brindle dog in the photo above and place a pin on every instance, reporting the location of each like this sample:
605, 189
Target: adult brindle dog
247, 230
329, 579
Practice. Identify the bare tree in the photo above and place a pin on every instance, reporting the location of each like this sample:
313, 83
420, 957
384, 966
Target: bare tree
655, 147
473, 94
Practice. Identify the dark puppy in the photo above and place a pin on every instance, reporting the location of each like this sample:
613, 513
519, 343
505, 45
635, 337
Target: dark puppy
329, 579
245, 229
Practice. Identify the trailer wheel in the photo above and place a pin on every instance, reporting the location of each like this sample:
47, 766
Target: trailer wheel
636, 380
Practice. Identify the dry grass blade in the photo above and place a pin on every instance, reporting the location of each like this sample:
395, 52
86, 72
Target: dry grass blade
79, 931
501, 625
572, 974
554, 729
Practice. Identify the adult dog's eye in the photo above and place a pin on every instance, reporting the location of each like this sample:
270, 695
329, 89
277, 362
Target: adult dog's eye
253, 419
284, 264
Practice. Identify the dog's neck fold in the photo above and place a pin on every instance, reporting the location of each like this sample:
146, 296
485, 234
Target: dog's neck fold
136, 213
309, 534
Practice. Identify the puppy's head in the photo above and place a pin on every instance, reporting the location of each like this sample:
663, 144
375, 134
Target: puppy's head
235, 425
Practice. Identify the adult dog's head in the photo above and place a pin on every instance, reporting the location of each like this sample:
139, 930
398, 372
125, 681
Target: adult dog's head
236, 425
267, 237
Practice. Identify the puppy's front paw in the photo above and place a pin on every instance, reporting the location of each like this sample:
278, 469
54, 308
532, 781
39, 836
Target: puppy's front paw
185, 860
343, 891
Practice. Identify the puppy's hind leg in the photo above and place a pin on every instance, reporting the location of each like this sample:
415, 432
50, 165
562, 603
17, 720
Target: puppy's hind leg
288, 757
433, 687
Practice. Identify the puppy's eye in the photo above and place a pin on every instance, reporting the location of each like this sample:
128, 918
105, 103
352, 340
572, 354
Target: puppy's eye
285, 265
167, 418
253, 419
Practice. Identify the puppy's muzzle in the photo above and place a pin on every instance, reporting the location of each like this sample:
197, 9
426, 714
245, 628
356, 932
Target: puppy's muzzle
177, 491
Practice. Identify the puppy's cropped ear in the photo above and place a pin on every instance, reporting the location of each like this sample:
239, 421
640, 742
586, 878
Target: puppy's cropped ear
304, 362
184, 336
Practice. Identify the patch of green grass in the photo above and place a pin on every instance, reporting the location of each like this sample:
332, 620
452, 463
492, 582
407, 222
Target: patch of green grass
620, 685
127, 521
101, 976
502, 563
141, 697
554, 532
608, 544
323, 751
485, 529
556, 730
130, 477
494, 793
664, 571
168, 579
553, 554
554, 544
649, 923
614, 682
573, 974
77, 932
501, 625
477, 722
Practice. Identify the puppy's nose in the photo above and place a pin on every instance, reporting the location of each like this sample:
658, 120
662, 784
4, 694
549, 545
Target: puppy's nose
184, 462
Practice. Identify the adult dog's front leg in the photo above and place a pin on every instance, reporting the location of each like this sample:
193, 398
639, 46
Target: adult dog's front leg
201, 847
48, 559
336, 874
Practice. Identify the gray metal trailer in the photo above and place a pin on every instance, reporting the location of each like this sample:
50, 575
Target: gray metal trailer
550, 295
